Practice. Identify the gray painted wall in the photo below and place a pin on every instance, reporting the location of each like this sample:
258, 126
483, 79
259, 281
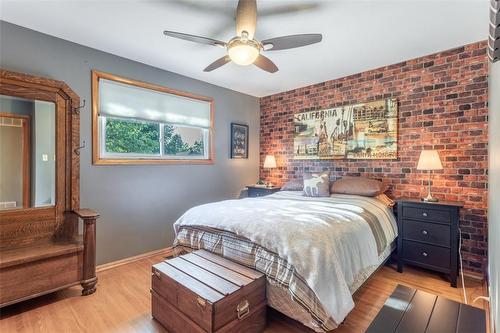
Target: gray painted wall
494, 194
15, 105
138, 204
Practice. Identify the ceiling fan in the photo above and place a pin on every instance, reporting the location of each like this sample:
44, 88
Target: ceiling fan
244, 49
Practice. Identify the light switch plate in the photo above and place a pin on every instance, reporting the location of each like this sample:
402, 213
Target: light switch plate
45, 157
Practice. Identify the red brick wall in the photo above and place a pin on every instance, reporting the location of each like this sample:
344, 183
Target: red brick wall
442, 105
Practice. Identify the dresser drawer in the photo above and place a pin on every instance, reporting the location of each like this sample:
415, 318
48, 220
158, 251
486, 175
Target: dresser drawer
426, 254
427, 214
437, 234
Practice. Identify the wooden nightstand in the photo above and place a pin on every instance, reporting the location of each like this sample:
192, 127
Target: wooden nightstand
260, 191
428, 235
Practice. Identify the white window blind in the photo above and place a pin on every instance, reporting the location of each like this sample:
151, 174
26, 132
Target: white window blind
128, 101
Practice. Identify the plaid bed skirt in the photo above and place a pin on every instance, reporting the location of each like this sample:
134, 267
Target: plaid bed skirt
287, 291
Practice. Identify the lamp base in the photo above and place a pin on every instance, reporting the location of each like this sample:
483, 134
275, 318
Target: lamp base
430, 198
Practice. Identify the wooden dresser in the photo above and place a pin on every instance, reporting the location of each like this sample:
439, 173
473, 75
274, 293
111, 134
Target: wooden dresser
41, 250
429, 235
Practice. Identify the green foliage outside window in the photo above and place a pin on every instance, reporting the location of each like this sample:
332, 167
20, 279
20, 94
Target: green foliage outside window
125, 136
136, 137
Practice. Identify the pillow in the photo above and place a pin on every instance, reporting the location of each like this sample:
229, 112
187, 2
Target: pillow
359, 186
293, 185
385, 200
317, 184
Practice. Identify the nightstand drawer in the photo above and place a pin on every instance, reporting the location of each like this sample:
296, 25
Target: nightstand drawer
254, 194
254, 191
426, 254
437, 234
427, 214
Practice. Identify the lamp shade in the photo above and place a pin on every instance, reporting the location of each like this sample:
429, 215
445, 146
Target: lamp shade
429, 160
270, 162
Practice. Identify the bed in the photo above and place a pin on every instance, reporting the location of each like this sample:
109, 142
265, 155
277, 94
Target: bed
315, 252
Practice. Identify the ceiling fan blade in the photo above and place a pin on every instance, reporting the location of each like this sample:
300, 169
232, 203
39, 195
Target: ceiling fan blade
193, 38
292, 41
206, 7
287, 9
217, 63
246, 17
265, 64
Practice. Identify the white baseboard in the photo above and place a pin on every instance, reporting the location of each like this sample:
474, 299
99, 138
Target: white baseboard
165, 251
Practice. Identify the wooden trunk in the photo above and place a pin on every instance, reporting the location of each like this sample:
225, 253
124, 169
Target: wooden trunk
202, 292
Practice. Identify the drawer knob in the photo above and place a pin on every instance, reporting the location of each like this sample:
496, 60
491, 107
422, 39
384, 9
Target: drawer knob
424, 232
424, 214
424, 254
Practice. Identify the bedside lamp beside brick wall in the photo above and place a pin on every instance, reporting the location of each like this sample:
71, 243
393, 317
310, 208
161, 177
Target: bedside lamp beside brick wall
269, 163
429, 160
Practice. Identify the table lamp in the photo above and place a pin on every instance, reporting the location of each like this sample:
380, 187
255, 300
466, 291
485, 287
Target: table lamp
429, 160
270, 163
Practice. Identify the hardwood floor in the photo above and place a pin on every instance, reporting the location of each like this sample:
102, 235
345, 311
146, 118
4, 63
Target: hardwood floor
122, 303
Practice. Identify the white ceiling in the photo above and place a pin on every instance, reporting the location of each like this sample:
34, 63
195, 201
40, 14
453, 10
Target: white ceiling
357, 35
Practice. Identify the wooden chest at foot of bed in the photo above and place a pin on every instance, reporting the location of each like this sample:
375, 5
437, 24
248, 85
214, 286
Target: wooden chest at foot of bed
201, 292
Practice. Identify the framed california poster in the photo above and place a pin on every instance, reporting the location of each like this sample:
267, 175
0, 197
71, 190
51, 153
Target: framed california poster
359, 131
239, 140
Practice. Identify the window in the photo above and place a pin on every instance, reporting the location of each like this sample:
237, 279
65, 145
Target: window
141, 123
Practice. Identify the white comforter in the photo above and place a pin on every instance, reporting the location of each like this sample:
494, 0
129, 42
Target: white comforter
325, 239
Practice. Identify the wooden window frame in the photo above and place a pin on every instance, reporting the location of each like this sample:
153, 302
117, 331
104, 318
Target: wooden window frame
96, 154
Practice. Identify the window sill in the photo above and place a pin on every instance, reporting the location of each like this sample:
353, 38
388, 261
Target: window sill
106, 161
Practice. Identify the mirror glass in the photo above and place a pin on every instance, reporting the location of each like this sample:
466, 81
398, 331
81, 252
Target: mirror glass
27, 153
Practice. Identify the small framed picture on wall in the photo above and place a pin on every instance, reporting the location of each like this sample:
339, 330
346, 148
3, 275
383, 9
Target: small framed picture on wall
239, 140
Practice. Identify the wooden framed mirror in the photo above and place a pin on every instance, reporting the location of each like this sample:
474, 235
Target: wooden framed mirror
34, 97
39, 213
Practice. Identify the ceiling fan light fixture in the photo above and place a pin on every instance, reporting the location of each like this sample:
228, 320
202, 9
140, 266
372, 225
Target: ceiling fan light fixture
243, 53
244, 49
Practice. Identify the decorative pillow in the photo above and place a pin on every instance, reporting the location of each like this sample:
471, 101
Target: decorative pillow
293, 185
359, 186
317, 184
385, 200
